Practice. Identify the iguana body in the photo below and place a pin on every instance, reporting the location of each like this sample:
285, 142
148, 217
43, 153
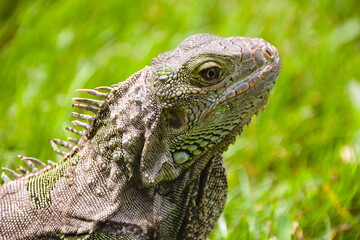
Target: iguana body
148, 165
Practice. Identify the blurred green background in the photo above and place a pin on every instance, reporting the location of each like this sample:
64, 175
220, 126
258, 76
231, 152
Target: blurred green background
293, 174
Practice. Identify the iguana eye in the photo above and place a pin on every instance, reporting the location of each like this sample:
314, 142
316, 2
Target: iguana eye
210, 74
207, 73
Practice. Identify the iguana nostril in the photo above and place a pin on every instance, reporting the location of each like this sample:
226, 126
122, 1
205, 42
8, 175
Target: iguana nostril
268, 53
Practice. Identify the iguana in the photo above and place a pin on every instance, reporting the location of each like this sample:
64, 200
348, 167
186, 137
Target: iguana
147, 164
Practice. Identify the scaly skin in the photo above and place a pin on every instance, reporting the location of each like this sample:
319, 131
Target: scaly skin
148, 165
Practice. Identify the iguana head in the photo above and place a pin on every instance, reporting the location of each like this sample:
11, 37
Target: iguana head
204, 91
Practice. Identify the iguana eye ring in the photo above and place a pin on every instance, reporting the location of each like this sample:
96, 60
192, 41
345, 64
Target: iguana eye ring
210, 74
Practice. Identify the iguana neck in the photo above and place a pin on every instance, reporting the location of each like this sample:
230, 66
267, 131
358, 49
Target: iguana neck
117, 134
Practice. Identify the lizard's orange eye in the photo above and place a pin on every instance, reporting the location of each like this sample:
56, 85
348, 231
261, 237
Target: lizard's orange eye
210, 74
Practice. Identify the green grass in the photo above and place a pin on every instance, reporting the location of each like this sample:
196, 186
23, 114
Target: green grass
293, 174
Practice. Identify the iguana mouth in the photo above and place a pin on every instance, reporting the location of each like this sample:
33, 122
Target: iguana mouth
264, 77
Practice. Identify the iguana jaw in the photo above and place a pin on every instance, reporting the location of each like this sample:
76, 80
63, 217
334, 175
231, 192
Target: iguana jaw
247, 94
